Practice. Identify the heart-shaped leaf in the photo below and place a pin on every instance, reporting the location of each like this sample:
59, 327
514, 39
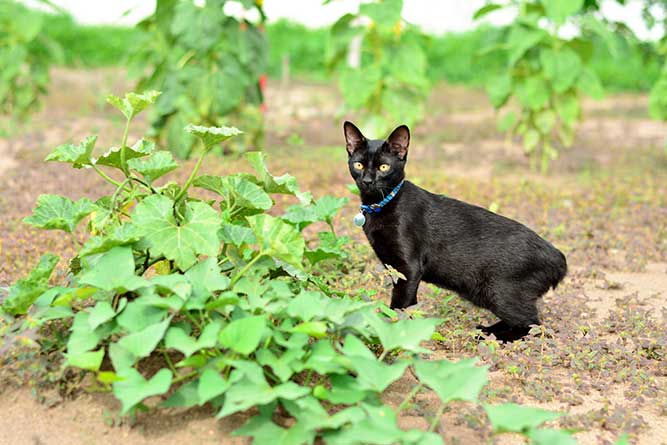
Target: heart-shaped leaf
83, 338
134, 388
114, 271
453, 381
375, 375
246, 393
178, 339
344, 390
90, 360
243, 334
404, 334
549, 436
101, 313
184, 397
263, 430
510, 417
133, 347
212, 385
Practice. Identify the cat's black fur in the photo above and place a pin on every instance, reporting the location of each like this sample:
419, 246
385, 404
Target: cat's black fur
494, 262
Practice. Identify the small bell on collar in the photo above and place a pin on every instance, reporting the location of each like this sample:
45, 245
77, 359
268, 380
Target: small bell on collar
359, 219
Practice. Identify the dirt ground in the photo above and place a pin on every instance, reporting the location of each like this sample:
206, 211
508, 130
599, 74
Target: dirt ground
601, 356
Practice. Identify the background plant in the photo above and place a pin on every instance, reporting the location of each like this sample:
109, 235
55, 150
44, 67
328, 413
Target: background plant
221, 297
208, 64
391, 84
546, 73
25, 57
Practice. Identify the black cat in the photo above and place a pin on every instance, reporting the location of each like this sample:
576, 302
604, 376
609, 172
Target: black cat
494, 262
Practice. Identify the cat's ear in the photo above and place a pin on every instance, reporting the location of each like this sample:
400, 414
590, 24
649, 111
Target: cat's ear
353, 137
399, 140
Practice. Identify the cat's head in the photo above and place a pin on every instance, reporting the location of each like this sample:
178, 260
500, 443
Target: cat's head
376, 165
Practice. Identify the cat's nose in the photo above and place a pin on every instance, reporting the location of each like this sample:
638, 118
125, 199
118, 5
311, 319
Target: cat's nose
367, 180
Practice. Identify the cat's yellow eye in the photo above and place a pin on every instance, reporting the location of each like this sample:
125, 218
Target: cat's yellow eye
384, 167
358, 166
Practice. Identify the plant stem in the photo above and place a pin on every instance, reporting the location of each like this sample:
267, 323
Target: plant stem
383, 355
168, 360
436, 420
193, 320
105, 176
123, 149
144, 183
308, 377
409, 397
117, 192
331, 226
245, 269
188, 183
180, 378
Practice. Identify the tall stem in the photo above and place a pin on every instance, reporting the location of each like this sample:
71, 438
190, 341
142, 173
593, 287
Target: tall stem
123, 149
117, 192
188, 183
409, 397
436, 419
245, 268
105, 176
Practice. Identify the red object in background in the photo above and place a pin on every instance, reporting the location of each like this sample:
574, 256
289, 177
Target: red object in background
262, 88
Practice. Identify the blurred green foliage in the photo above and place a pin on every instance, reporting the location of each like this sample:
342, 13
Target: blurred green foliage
90, 46
25, 57
389, 85
452, 57
546, 74
208, 65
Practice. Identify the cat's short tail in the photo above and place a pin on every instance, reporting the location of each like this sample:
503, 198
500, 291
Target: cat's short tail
557, 269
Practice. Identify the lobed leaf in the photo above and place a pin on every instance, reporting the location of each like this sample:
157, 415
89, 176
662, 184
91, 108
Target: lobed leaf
181, 242
27, 290
277, 238
211, 136
285, 184
55, 212
77, 155
154, 166
112, 156
133, 103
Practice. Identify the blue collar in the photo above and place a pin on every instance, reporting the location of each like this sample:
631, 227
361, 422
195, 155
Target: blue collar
375, 208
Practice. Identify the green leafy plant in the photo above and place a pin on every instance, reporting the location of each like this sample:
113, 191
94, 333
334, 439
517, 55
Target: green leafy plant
25, 57
223, 300
391, 85
546, 73
208, 65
